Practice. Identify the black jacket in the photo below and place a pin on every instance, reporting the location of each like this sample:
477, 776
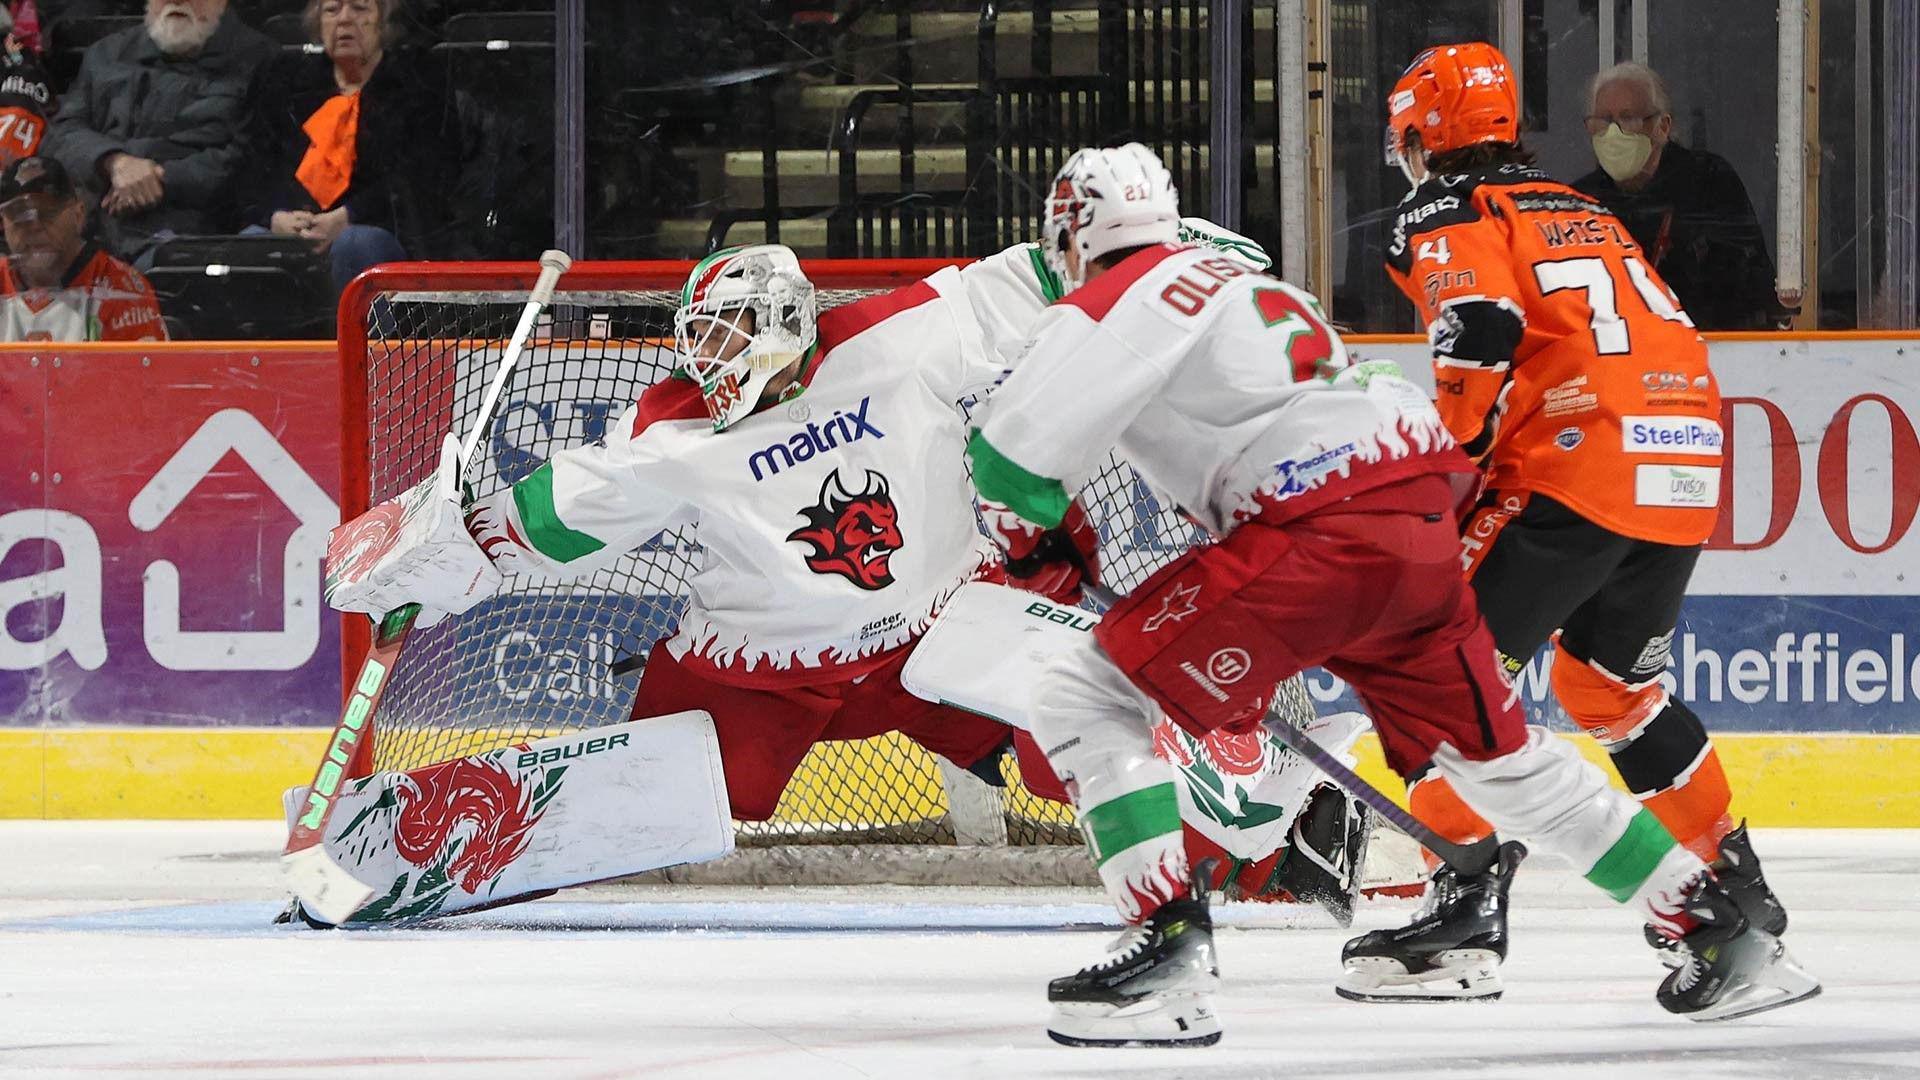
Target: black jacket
190, 114
1698, 227
414, 136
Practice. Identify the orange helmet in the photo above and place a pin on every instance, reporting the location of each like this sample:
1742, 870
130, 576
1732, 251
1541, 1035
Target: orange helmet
1452, 96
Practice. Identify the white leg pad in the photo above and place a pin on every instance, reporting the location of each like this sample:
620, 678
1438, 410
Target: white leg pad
990, 648
569, 810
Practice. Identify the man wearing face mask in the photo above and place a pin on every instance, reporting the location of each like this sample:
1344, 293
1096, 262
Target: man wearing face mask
1686, 208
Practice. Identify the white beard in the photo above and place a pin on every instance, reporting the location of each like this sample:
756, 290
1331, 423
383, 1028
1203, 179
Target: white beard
177, 38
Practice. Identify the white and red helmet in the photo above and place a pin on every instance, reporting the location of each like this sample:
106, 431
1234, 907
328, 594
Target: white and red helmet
764, 279
1107, 199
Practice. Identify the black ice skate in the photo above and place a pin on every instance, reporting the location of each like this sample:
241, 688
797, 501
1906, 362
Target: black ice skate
1450, 952
1730, 967
1326, 852
1155, 990
1738, 871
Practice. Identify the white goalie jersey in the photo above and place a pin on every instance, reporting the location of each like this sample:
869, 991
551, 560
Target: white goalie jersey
835, 523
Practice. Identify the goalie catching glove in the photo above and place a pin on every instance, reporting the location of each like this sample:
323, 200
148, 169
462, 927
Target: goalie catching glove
414, 549
1053, 562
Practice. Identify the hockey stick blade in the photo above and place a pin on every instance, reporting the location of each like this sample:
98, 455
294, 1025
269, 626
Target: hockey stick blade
323, 886
1472, 858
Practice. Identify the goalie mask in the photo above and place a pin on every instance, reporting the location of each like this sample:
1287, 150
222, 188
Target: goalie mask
746, 315
1108, 199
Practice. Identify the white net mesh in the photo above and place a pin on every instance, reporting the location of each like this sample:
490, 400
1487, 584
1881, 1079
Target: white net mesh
535, 660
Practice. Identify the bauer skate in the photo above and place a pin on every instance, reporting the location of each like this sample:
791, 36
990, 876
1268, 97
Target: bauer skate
1730, 967
1155, 990
1450, 952
1738, 871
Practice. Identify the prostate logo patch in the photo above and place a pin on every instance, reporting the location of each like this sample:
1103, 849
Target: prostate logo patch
852, 534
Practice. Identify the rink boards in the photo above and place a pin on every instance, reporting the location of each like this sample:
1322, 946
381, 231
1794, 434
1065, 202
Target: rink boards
163, 652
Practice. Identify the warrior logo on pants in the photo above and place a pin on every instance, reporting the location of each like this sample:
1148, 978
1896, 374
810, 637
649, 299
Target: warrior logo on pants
852, 534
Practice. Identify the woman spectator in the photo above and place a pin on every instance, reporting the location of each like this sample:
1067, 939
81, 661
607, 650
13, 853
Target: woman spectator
370, 146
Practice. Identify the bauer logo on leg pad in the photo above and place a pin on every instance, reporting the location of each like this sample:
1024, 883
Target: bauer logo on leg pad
570, 750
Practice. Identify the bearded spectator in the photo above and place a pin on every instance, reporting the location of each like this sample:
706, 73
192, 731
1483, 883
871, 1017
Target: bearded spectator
156, 123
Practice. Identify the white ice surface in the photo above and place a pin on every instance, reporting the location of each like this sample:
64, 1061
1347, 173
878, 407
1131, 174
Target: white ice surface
133, 949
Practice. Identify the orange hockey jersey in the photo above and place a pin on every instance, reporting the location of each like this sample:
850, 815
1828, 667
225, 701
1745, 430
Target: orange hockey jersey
1563, 363
103, 299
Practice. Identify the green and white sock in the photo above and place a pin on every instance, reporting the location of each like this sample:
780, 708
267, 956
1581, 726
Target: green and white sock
1135, 839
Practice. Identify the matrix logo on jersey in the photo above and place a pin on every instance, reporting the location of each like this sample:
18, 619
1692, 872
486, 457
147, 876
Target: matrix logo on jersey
852, 534
816, 438
1687, 435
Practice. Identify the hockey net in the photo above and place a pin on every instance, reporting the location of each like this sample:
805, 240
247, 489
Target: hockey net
419, 344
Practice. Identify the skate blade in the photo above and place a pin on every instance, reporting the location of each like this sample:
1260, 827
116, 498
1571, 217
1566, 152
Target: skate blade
1458, 975
1163, 1020
1782, 982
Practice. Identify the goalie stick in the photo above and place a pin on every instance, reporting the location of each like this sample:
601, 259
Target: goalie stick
1472, 858
324, 887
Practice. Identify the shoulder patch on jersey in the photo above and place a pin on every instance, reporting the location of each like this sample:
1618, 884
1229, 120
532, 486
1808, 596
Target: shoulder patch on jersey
1556, 201
1098, 297
673, 398
1428, 208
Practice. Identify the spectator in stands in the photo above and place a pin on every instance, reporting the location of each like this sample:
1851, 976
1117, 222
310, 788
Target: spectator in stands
370, 146
55, 286
156, 123
25, 94
1686, 208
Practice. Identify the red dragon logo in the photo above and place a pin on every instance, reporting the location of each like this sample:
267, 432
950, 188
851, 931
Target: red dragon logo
435, 802
852, 535
355, 546
1233, 752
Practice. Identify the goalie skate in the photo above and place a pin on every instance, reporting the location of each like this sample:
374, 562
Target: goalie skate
1450, 952
1156, 990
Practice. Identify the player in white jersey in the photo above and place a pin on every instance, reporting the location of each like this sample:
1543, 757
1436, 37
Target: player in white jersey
1327, 484
821, 454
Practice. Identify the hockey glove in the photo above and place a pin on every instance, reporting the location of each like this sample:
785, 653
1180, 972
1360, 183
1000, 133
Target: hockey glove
1052, 562
1195, 230
414, 549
